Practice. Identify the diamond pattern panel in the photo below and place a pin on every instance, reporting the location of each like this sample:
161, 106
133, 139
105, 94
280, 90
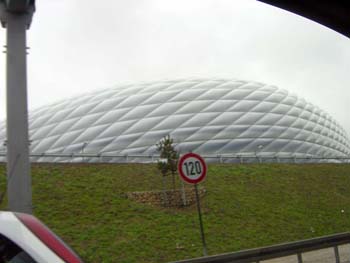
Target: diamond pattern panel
207, 116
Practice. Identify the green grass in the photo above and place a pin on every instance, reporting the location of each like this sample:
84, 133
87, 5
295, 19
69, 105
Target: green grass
245, 206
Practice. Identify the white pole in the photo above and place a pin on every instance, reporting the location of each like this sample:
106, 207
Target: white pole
18, 166
16, 17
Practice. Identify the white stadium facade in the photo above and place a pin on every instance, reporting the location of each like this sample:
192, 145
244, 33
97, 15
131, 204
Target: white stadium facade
217, 118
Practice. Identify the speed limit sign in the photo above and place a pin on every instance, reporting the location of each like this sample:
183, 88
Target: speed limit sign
192, 168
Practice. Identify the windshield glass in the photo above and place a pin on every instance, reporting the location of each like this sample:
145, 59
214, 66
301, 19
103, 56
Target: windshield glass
11, 253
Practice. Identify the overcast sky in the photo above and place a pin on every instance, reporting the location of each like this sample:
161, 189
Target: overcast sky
83, 45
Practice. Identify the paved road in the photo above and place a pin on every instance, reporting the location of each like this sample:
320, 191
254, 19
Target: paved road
318, 256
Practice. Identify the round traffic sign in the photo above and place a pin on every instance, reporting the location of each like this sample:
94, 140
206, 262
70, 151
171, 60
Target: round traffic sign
192, 168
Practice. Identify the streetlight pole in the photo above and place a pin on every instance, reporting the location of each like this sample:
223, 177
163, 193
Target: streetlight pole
260, 147
16, 16
82, 150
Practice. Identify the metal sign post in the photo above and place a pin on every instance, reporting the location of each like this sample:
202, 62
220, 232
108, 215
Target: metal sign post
205, 253
192, 170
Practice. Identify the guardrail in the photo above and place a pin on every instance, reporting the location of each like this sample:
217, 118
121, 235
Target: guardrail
277, 251
153, 158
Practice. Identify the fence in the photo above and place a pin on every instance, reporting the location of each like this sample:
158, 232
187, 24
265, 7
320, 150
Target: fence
278, 251
143, 158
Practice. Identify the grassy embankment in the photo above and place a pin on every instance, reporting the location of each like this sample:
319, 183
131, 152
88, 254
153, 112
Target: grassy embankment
245, 206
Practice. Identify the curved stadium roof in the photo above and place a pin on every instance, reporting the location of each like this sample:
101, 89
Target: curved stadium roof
206, 116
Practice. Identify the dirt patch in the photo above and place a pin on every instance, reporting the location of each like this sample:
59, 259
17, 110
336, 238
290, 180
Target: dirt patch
168, 198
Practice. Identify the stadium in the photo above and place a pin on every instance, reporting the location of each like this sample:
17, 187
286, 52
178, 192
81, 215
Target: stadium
213, 117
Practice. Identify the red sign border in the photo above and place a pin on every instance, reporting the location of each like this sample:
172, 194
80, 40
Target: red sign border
183, 176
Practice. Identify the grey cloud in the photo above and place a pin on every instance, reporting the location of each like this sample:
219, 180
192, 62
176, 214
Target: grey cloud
78, 46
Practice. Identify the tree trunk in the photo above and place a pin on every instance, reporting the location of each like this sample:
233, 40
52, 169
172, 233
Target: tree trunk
165, 196
174, 185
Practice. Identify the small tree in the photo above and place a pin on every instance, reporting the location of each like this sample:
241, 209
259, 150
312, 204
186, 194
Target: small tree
163, 168
170, 157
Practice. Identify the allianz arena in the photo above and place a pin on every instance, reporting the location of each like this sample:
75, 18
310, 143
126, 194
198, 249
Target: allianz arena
212, 117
